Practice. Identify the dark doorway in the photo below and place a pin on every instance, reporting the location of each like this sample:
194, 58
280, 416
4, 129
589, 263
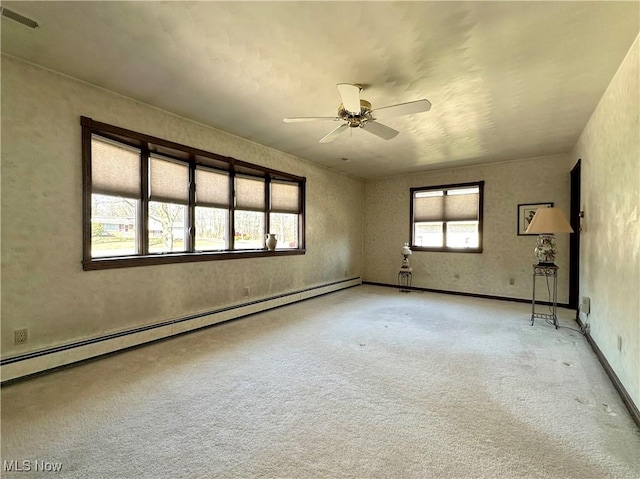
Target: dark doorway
574, 238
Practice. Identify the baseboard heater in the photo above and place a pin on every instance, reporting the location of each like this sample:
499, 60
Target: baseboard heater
24, 365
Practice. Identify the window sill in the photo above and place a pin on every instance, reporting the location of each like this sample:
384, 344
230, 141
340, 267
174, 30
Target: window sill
446, 250
149, 260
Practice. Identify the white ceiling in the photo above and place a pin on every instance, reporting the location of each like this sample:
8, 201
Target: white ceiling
507, 80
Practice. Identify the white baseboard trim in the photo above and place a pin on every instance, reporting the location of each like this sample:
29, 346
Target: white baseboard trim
35, 362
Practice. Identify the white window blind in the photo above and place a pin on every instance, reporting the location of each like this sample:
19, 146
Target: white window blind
447, 205
428, 206
284, 197
250, 194
212, 188
115, 169
169, 181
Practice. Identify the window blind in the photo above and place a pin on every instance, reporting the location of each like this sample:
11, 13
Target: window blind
446, 205
428, 206
284, 197
169, 181
115, 169
212, 188
249, 194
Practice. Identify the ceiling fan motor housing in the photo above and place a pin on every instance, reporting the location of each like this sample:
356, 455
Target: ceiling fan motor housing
358, 120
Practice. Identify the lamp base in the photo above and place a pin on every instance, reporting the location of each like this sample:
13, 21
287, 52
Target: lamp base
546, 249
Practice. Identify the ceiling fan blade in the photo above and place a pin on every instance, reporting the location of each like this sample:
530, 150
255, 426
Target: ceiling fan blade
332, 135
310, 118
380, 130
417, 106
350, 95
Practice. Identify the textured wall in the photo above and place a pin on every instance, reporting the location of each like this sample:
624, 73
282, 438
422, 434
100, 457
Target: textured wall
43, 285
610, 241
505, 254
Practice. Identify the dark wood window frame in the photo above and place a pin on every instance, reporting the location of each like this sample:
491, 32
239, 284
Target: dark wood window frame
193, 157
445, 188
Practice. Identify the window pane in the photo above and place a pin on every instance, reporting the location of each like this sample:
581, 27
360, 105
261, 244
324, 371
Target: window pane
462, 234
113, 226
211, 228
428, 193
463, 191
249, 226
286, 227
428, 234
166, 227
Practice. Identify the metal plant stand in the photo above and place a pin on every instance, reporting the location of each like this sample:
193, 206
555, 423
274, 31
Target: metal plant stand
547, 272
404, 279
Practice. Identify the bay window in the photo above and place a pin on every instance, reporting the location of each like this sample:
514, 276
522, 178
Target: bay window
151, 201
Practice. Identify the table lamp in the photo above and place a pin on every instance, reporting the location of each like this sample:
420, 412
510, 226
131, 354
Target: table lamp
546, 222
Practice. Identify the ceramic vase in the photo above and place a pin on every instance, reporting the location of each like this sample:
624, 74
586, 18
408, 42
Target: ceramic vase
546, 249
271, 241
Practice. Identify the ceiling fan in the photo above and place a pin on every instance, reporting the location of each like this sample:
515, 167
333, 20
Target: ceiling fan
356, 112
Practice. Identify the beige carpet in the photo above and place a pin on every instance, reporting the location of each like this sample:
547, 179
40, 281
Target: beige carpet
363, 383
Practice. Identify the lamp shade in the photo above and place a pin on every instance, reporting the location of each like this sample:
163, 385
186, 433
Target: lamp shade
549, 221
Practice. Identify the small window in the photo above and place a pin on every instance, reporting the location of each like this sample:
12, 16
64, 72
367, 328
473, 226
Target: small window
447, 218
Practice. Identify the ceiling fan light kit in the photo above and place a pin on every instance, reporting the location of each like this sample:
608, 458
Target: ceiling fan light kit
355, 112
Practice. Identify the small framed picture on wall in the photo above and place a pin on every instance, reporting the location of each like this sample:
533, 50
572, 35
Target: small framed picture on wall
525, 215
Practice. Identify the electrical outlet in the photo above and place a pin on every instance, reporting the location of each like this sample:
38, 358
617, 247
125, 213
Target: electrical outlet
619, 343
20, 336
247, 291
512, 281
585, 306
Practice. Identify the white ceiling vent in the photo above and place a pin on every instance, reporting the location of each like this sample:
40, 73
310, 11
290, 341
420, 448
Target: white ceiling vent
16, 17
